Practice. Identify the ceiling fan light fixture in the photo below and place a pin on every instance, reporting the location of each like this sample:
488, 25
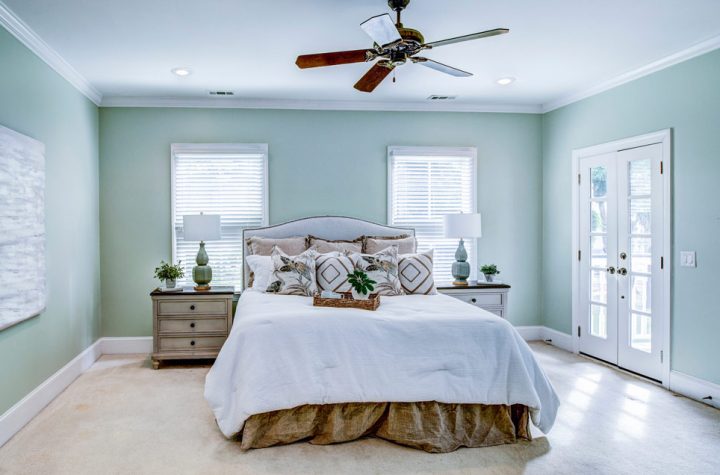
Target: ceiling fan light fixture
181, 72
505, 81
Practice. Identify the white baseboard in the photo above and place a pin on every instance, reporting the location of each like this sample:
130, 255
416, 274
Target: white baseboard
28, 407
561, 340
695, 388
530, 333
126, 345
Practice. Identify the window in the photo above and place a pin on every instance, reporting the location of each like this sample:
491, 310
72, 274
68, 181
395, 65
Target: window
426, 183
225, 179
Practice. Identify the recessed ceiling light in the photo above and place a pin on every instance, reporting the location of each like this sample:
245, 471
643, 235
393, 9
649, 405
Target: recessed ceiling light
505, 81
182, 72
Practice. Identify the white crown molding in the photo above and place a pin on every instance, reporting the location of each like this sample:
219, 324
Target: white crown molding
671, 60
34, 43
291, 104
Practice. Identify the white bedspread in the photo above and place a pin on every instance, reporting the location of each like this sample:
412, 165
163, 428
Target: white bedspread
282, 352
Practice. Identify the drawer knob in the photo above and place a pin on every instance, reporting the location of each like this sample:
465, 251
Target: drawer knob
192, 307
473, 300
192, 343
192, 325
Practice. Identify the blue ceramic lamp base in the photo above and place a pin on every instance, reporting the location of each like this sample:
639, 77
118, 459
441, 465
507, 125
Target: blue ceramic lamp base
461, 268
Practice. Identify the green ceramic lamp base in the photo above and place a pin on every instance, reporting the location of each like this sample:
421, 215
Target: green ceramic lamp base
202, 273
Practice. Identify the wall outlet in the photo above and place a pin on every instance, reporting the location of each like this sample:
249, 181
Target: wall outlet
687, 259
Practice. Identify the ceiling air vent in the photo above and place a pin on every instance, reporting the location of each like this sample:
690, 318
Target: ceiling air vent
436, 97
222, 93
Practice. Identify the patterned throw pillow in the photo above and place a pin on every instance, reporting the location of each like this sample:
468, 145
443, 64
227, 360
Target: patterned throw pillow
332, 270
416, 273
381, 267
293, 275
405, 243
324, 246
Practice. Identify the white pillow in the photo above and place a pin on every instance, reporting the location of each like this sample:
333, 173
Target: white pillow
416, 273
262, 269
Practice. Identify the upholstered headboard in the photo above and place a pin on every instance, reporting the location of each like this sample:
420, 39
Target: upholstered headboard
325, 227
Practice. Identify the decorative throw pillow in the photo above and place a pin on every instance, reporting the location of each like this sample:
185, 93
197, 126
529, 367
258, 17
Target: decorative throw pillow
382, 267
405, 243
293, 275
324, 246
332, 270
416, 273
261, 269
292, 246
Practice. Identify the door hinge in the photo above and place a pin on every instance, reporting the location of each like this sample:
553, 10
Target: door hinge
579, 332
579, 178
661, 356
661, 167
579, 254
662, 262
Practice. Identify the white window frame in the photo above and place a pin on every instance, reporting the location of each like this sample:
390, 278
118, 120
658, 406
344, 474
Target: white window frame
465, 152
229, 148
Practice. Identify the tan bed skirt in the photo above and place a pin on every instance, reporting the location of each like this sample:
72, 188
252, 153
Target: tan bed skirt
430, 426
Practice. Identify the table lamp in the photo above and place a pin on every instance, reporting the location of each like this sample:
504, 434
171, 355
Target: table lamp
201, 227
462, 226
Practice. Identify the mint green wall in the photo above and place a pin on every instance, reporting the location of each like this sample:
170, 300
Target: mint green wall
320, 162
686, 98
36, 101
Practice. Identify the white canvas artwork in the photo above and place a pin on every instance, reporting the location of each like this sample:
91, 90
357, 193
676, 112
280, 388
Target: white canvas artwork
23, 291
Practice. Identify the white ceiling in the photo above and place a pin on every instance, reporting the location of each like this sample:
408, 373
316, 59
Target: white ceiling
555, 47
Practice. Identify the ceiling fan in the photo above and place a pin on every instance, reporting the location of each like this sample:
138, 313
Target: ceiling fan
395, 45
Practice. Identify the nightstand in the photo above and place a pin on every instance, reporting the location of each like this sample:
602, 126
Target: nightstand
487, 295
189, 324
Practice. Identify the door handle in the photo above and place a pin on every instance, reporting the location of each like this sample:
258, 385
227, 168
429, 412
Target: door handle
622, 271
611, 269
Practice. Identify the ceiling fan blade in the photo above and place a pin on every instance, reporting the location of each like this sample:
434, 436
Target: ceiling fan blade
443, 68
374, 77
333, 59
381, 29
474, 36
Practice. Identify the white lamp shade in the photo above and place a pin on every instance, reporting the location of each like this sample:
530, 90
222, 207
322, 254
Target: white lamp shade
201, 227
463, 225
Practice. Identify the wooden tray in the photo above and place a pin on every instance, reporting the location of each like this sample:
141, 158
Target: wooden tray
348, 302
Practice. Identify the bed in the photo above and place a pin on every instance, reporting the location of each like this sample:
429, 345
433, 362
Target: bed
426, 371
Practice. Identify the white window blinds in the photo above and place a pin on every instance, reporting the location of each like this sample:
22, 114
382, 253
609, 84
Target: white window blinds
229, 180
426, 183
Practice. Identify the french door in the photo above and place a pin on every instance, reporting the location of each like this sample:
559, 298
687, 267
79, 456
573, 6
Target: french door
621, 243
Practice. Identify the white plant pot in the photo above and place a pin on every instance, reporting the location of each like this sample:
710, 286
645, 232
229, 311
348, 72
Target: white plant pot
169, 283
489, 277
359, 296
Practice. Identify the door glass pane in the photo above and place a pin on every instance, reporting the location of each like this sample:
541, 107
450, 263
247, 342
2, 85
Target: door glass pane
640, 332
598, 177
640, 216
598, 320
640, 293
640, 179
640, 254
598, 248
598, 216
598, 286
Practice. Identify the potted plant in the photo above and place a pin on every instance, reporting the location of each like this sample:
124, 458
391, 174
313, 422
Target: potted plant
361, 284
490, 271
169, 273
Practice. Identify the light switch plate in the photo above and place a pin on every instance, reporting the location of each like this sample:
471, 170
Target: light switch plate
687, 259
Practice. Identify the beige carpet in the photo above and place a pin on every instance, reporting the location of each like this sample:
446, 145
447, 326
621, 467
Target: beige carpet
123, 417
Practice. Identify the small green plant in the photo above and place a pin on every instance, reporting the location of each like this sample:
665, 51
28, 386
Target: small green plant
490, 269
167, 271
361, 282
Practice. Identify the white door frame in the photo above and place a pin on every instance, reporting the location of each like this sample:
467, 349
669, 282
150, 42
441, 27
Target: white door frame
663, 137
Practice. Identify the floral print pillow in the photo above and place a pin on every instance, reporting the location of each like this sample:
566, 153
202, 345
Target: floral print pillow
293, 275
382, 267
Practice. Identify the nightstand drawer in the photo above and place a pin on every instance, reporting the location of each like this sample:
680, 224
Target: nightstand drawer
190, 307
479, 299
193, 325
191, 343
